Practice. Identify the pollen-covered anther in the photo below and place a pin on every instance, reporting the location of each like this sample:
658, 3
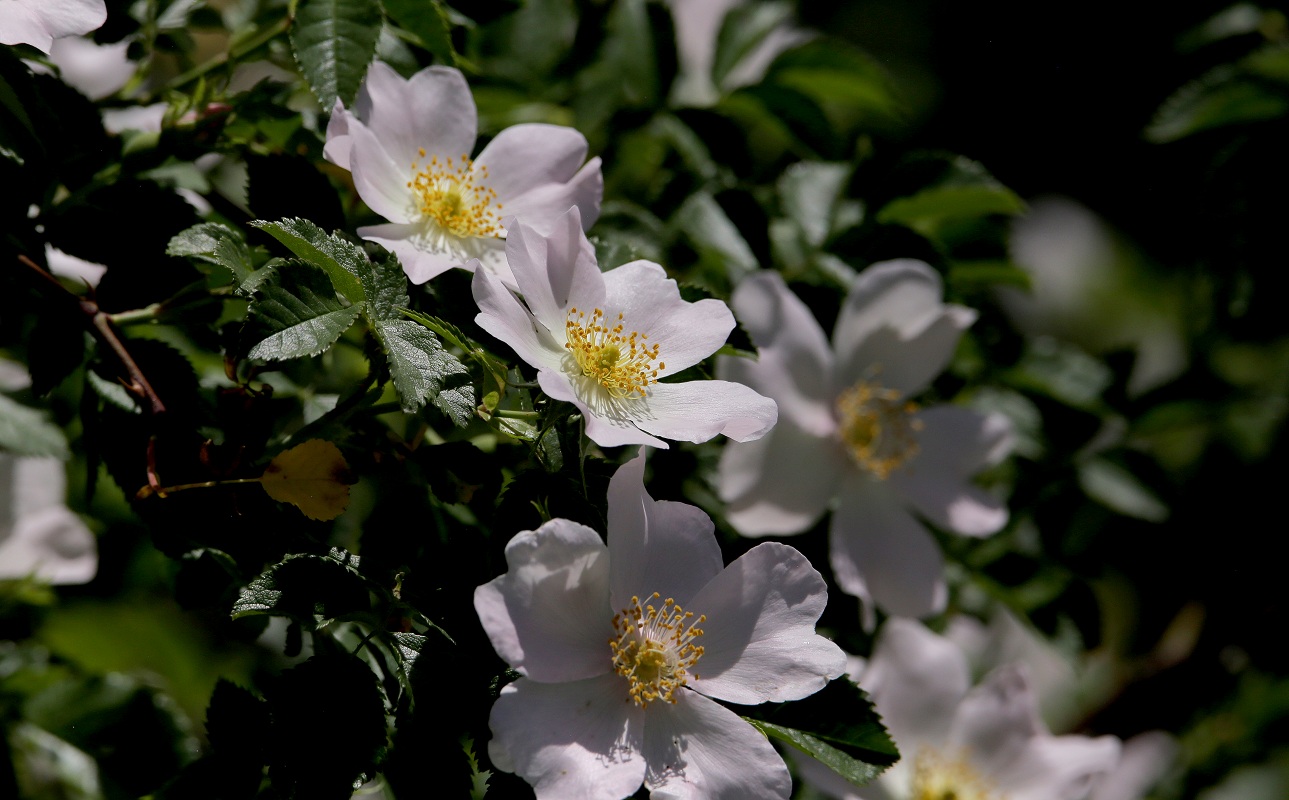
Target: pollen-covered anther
877, 427
936, 777
455, 195
654, 648
625, 364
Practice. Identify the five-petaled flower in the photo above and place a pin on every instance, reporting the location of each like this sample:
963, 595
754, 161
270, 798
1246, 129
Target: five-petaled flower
39, 22
408, 144
847, 429
603, 341
958, 741
621, 647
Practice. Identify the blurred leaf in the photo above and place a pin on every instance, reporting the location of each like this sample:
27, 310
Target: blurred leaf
334, 41
217, 244
1237, 20
342, 260
982, 273
1063, 372
47, 766
1252, 90
27, 432
714, 235
810, 193
964, 190
1118, 489
837, 726
423, 370
298, 310
851, 88
429, 21
742, 31
313, 477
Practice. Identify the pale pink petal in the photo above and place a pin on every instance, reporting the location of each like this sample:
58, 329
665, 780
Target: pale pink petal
548, 616
541, 206
570, 741
1058, 768
555, 272
794, 365
336, 149
697, 749
1145, 759
502, 315
400, 239
916, 680
381, 183
524, 157
433, 111
95, 71
650, 304
954, 443
880, 552
39, 22
996, 720
894, 327
646, 536
698, 410
759, 637
779, 484
606, 425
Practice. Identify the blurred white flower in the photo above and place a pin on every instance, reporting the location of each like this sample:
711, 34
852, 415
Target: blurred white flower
848, 429
94, 70
621, 647
39, 535
69, 266
39, 22
408, 145
970, 743
603, 341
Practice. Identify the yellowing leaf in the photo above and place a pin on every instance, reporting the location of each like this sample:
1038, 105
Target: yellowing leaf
313, 477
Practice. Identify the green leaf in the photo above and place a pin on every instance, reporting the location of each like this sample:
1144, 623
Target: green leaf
1218, 99
313, 590
217, 244
851, 87
342, 260
1118, 489
334, 41
743, 30
28, 432
965, 190
987, 272
837, 726
428, 20
422, 370
298, 310
714, 235
810, 193
385, 285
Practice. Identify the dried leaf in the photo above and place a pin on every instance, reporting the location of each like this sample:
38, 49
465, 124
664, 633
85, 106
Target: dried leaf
313, 477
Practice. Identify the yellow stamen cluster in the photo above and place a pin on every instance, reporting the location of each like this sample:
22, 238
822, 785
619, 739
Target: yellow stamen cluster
938, 778
655, 649
447, 193
623, 363
877, 427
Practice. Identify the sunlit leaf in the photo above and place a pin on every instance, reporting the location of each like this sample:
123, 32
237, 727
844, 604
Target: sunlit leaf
298, 310
422, 370
334, 41
313, 477
216, 244
343, 261
27, 432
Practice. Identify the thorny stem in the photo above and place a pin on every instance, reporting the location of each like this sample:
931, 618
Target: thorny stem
100, 325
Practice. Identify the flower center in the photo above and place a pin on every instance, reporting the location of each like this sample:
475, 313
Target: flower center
654, 648
447, 194
938, 778
623, 363
877, 427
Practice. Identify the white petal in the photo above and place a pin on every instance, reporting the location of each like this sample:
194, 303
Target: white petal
996, 720
794, 364
824, 780
880, 552
555, 271
501, 315
65, 265
697, 749
39, 22
663, 547
524, 157
895, 328
541, 206
433, 110
781, 483
135, 118
698, 410
95, 71
571, 741
953, 444
381, 183
606, 423
916, 679
399, 238
51, 544
549, 616
336, 150
1144, 760
1059, 768
650, 303
759, 637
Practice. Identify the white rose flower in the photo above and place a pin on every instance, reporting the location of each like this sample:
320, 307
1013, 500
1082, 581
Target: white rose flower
39, 22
